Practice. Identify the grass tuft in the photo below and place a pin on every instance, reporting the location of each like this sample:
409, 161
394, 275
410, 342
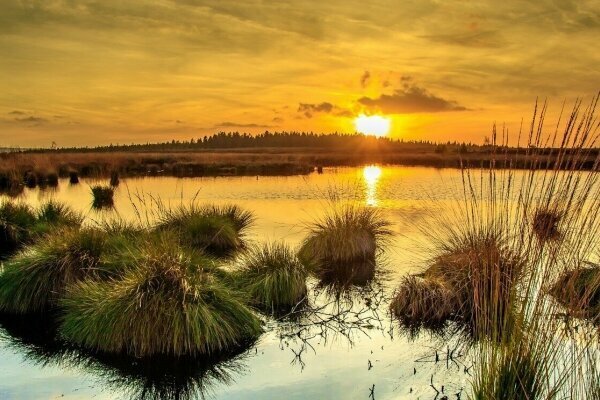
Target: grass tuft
345, 242
16, 223
34, 279
273, 277
579, 291
168, 301
103, 196
546, 222
218, 230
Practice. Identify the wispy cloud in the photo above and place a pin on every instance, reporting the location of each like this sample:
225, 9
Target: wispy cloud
410, 99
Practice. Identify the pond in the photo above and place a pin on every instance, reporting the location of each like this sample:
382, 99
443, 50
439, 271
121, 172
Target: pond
347, 347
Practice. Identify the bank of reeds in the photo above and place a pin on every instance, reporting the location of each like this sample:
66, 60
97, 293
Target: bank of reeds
168, 301
273, 277
345, 242
491, 239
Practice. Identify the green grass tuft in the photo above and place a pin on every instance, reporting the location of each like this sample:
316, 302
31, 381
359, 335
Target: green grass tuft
34, 279
273, 277
218, 230
579, 291
169, 301
345, 242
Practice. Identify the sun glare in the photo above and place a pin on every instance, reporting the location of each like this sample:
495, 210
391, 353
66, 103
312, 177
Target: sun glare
374, 125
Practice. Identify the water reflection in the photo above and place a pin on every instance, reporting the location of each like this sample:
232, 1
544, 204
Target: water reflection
35, 337
371, 174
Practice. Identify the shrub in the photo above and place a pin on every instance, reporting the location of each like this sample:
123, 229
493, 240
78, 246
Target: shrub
168, 301
273, 277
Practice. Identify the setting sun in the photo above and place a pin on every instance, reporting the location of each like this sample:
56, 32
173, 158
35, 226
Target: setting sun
374, 125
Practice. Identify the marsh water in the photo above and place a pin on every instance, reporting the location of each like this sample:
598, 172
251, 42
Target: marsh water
347, 347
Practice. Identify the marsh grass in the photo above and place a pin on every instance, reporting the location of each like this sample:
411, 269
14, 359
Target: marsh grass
217, 230
493, 259
16, 223
546, 223
114, 179
345, 242
168, 301
579, 291
33, 280
73, 177
273, 277
103, 196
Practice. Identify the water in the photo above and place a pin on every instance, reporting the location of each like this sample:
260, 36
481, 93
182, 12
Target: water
353, 350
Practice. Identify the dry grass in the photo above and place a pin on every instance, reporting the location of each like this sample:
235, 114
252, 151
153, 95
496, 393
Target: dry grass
579, 291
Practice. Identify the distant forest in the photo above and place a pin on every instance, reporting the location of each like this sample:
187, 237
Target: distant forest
236, 140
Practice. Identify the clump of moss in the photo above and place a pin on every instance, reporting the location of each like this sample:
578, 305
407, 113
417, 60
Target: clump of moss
16, 224
546, 223
345, 242
103, 196
273, 277
426, 302
579, 291
218, 230
168, 301
33, 280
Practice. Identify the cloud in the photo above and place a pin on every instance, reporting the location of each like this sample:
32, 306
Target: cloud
309, 110
238, 125
278, 120
364, 79
409, 100
16, 112
31, 119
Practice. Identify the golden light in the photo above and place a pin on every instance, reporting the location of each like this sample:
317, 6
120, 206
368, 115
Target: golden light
374, 125
371, 174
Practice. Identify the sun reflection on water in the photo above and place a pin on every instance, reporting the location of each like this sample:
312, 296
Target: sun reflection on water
371, 173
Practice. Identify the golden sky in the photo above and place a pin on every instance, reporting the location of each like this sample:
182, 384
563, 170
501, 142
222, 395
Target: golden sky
113, 71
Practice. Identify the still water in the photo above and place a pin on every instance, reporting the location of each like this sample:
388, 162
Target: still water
348, 349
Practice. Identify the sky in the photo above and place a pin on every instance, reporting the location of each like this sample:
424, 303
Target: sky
84, 73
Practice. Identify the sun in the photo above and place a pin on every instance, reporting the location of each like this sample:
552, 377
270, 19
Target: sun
374, 125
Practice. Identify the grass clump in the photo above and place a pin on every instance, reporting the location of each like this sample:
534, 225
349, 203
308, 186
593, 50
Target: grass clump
114, 179
103, 196
579, 291
218, 230
546, 222
33, 280
73, 177
424, 302
168, 301
273, 277
53, 214
345, 242
16, 223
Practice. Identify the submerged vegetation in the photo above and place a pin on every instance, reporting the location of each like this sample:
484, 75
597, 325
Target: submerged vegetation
343, 245
273, 277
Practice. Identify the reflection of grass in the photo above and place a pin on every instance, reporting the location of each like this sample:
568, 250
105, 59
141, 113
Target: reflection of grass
167, 301
273, 277
176, 378
345, 242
